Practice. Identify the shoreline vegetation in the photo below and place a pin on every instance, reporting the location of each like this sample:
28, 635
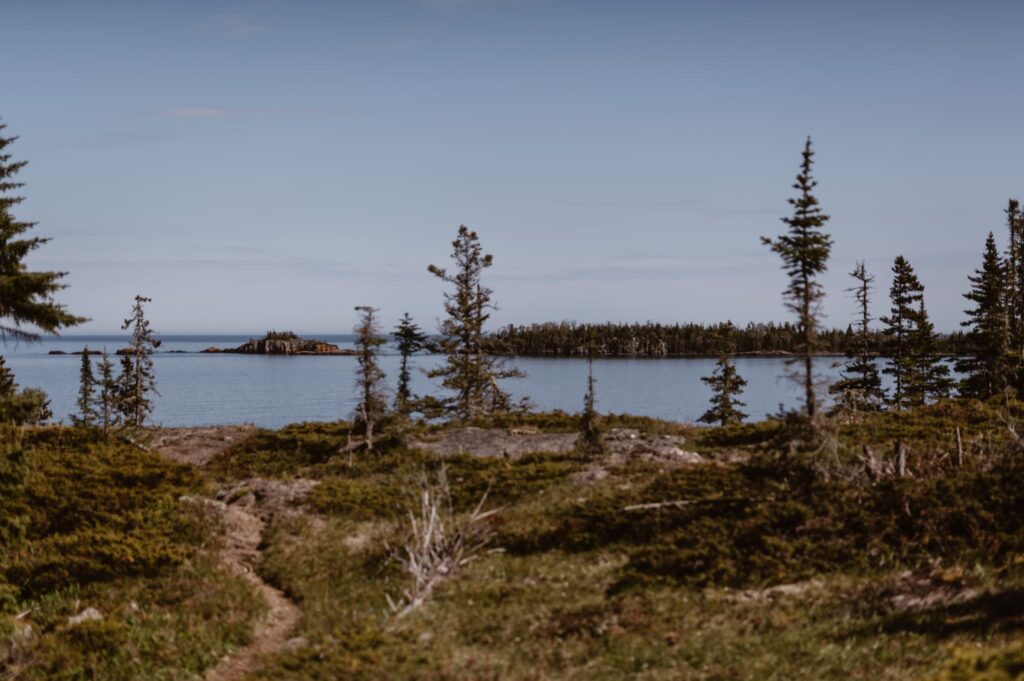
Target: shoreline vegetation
651, 339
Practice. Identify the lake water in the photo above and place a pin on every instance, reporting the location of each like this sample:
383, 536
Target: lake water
210, 389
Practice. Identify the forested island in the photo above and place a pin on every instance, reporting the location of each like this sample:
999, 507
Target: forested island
651, 339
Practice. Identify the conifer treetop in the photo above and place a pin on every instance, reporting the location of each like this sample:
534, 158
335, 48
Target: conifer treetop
26, 297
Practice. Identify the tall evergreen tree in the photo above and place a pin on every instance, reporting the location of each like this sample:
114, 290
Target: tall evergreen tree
986, 369
1014, 276
410, 340
26, 297
86, 393
123, 402
138, 384
106, 400
804, 250
27, 306
930, 377
370, 377
905, 294
469, 371
860, 388
726, 383
589, 440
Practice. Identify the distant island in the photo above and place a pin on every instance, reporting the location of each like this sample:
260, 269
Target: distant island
651, 339
283, 343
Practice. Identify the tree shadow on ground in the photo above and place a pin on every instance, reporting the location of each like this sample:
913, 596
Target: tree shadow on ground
987, 613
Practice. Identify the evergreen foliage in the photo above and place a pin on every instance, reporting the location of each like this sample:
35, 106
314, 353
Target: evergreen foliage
106, 399
410, 340
905, 293
26, 297
8, 386
1014, 304
930, 378
590, 441
86, 416
993, 292
370, 377
20, 407
138, 382
915, 363
726, 384
651, 339
469, 371
804, 251
860, 388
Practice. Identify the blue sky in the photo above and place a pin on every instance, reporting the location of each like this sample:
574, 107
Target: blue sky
273, 163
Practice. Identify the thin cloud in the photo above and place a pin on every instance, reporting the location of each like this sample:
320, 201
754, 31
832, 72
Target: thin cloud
234, 25
198, 112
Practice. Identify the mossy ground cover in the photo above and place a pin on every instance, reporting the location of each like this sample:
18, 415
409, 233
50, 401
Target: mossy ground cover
584, 589
104, 526
586, 579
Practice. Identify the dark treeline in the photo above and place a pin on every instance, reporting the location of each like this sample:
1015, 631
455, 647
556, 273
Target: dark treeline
650, 339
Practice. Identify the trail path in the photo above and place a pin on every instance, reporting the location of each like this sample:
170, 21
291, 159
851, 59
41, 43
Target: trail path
243, 533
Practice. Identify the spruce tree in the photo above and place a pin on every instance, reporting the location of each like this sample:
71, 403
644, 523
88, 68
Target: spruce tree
410, 340
726, 384
8, 386
589, 440
26, 297
86, 416
905, 295
123, 401
370, 377
860, 388
1014, 304
804, 250
27, 306
930, 377
106, 400
138, 385
986, 368
469, 371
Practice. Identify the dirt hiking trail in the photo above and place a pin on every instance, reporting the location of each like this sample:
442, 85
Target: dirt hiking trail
240, 554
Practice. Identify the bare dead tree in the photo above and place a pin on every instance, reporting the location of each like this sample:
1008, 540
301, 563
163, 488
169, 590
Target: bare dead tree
439, 542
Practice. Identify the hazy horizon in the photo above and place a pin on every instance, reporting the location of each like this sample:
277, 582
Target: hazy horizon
269, 164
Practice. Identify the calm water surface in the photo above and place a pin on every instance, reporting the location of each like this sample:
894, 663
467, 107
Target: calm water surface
198, 389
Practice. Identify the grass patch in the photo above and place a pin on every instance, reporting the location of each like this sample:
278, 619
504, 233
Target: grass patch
103, 525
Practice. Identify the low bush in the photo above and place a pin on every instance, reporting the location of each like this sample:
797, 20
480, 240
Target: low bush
98, 513
281, 453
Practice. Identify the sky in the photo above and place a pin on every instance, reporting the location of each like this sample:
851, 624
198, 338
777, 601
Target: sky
255, 164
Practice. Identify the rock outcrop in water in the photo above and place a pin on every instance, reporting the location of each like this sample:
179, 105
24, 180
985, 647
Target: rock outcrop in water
277, 343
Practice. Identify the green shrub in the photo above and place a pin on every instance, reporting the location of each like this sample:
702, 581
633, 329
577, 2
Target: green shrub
97, 513
360, 498
281, 453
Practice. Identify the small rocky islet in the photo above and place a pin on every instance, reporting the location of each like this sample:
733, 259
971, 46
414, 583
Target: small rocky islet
283, 343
